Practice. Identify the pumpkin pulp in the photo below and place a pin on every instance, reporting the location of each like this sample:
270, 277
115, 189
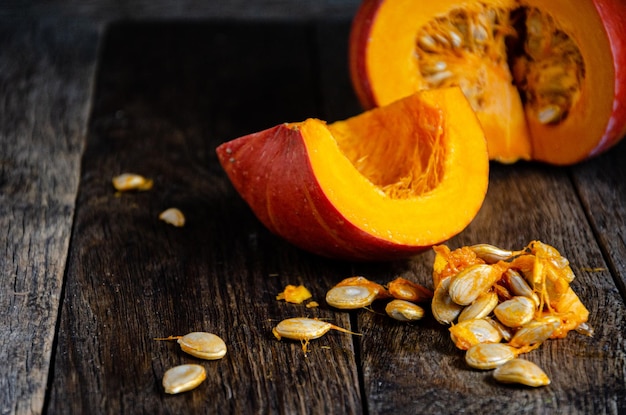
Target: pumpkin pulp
413, 172
522, 68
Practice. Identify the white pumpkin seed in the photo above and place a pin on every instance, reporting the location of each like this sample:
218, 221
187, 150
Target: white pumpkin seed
521, 371
350, 297
183, 378
481, 307
173, 216
203, 345
403, 310
487, 356
131, 181
515, 312
470, 332
473, 281
443, 308
535, 332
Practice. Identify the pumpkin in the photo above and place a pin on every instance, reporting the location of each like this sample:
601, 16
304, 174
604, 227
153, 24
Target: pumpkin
547, 78
384, 184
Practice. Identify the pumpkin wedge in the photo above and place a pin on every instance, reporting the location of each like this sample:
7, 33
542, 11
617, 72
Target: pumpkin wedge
546, 77
385, 184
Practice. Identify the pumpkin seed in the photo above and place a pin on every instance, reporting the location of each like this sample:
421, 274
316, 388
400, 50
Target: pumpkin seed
470, 332
203, 345
471, 282
131, 181
403, 289
491, 254
200, 344
349, 297
481, 307
183, 378
535, 332
403, 310
173, 216
443, 308
521, 371
515, 312
487, 356
519, 286
303, 328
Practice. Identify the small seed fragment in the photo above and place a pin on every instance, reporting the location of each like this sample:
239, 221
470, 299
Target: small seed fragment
294, 294
521, 371
183, 378
350, 297
402, 310
131, 181
549, 114
481, 307
515, 312
173, 216
487, 356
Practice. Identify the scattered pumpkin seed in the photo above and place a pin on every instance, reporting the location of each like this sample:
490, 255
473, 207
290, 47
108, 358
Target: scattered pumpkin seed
173, 216
350, 297
203, 345
403, 310
487, 356
131, 181
304, 328
183, 378
521, 371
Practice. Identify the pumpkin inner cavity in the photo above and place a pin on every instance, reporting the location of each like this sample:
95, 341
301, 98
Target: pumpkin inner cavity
477, 46
383, 152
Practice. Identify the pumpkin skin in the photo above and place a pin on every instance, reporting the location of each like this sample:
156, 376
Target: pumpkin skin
322, 186
383, 66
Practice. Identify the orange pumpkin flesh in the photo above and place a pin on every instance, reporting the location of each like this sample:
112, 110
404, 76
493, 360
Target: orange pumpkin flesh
385, 184
546, 78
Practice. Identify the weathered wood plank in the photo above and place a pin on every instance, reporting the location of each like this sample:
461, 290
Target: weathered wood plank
105, 11
418, 368
46, 71
164, 101
601, 184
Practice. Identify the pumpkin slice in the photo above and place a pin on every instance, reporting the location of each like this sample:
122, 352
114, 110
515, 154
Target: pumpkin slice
385, 184
546, 77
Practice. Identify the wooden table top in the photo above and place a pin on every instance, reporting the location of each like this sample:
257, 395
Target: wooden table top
89, 277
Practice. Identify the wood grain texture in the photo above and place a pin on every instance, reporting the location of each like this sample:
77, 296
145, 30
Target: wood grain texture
106, 11
132, 278
602, 187
45, 86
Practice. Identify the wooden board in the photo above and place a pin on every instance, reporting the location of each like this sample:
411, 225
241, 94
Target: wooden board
166, 94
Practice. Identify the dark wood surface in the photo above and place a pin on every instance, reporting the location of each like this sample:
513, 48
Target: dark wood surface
89, 277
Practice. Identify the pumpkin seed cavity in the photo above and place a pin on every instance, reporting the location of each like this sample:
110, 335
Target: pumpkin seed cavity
470, 46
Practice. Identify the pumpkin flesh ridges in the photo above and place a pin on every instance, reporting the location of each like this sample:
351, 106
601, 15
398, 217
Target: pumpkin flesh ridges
300, 182
386, 64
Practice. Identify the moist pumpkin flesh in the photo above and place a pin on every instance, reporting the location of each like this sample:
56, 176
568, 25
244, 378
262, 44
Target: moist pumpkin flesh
403, 157
478, 47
